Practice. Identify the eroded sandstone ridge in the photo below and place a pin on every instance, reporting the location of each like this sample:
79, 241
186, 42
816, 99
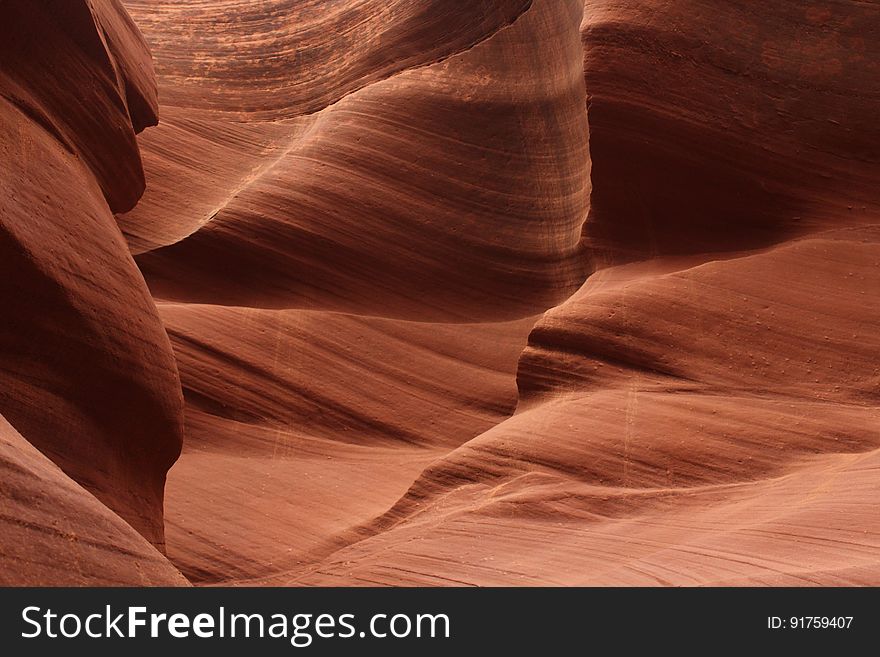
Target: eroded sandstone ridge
497, 292
87, 375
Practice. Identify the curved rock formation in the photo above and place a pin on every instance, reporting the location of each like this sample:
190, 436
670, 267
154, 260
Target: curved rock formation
451, 191
86, 370
307, 423
54, 533
487, 293
276, 59
452, 187
669, 412
722, 126
87, 81
710, 425
695, 414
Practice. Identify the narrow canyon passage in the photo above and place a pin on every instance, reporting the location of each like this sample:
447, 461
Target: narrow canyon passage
505, 292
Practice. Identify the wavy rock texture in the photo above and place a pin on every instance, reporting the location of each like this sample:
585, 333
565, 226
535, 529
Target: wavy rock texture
298, 261
486, 293
87, 375
695, 414
307, 423
238, 78
700, 411
454, 190
719, 126
711, 425
55, 533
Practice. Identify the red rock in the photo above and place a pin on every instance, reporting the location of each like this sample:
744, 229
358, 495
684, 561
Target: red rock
87, 372
720, 126
429, 330
450, 191
54, 533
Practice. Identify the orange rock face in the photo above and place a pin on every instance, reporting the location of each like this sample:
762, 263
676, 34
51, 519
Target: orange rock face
57, 534
500, 292
87, 375
453, 190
